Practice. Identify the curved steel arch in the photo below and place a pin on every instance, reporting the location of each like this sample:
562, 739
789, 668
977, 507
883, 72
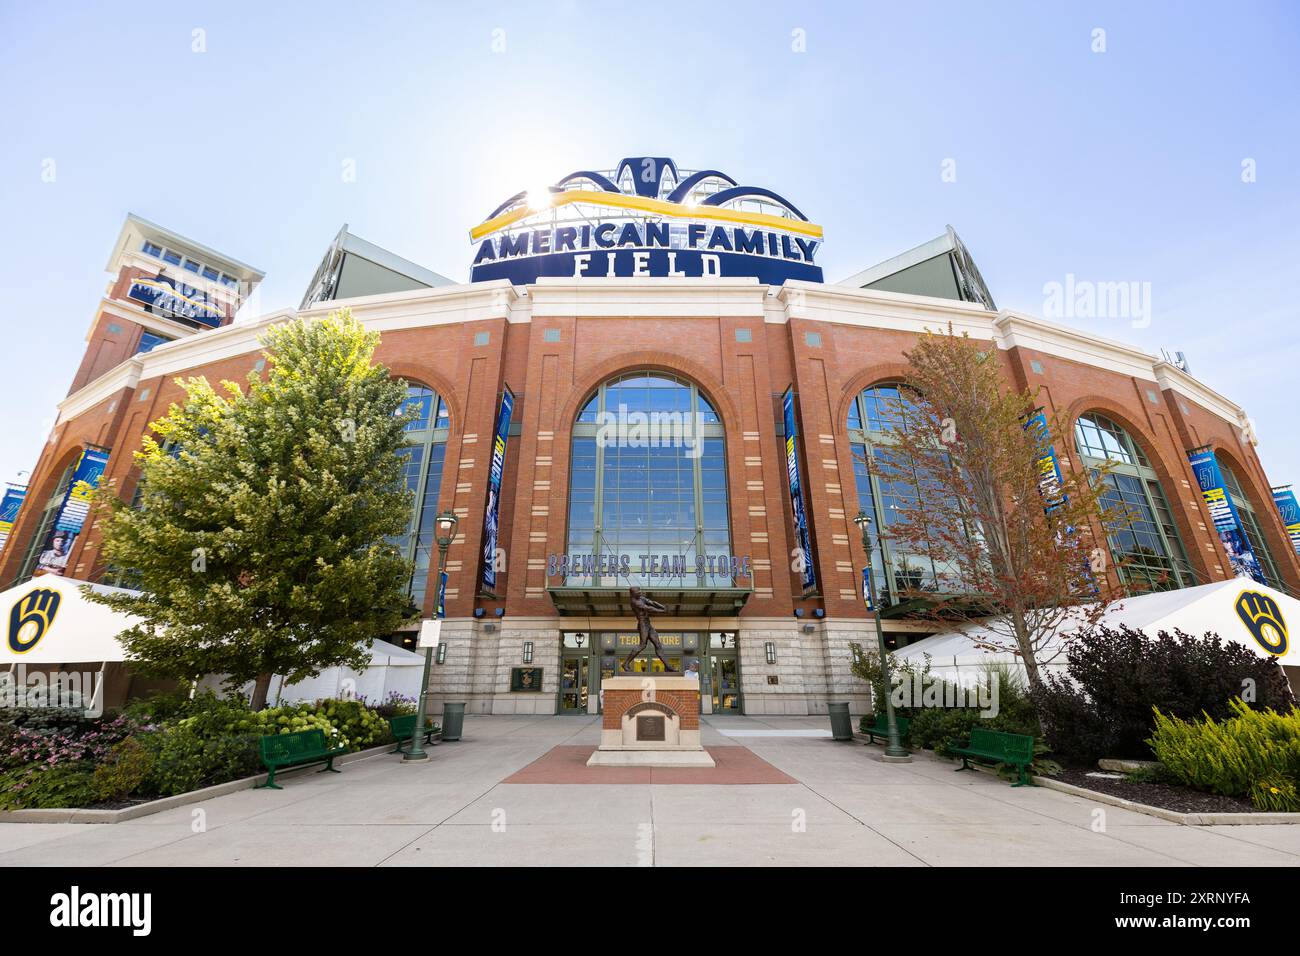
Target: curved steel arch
598, 178
740, 192
690, 182
506, 205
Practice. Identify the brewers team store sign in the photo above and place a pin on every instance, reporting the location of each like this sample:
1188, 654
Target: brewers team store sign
646, 218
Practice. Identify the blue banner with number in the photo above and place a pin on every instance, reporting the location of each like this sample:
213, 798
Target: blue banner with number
9, 505
1241, 557
1284, 498
1049, 471
491, 515
72, 513
801, 533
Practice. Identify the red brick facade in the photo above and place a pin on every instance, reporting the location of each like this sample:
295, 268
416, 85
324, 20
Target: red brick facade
466, 342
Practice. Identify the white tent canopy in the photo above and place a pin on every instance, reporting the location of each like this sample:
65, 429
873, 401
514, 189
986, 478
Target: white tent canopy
48, 620
392, 670
1196, 611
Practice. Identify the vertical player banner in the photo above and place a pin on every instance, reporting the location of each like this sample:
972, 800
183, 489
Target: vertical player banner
809, 577
1049, 471
440, 610
72, 513
9, 506
1049, 481
1284, 498
1241, 557
491, 516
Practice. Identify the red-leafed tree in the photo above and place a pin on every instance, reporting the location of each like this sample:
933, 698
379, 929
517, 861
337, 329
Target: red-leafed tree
1017, 545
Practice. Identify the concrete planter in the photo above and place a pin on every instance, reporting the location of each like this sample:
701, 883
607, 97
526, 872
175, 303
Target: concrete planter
1186, 819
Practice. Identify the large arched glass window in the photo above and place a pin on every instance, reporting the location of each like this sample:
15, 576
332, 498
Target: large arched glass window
1250, 524
48, 515
648, 476
424, 454
1146, 544
886, 483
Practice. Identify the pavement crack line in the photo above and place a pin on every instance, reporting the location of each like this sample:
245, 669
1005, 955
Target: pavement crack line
854, 816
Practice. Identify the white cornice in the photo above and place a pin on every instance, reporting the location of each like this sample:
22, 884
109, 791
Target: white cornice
1026, 331
136, 228
1176, 380
872, 308
441, 305
655, 298
125, 375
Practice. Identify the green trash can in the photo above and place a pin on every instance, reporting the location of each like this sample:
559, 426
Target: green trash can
453, 719
841, 725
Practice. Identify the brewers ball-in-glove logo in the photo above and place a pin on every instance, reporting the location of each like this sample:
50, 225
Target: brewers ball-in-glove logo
1263, 618
31, 617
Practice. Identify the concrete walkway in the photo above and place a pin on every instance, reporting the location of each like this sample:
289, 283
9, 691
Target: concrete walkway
845, 808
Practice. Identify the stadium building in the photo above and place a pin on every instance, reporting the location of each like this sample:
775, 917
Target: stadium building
620, 301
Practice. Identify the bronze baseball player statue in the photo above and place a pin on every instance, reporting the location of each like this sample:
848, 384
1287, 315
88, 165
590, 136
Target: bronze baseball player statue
641, 608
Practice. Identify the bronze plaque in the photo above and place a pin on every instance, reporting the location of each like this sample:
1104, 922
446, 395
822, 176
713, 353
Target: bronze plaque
526, 679
650, 727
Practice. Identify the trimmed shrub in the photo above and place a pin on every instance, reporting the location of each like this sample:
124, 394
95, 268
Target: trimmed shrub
1252, 753
161, 706
941, 728
1117, 676
125, 770
358, 726
182, 757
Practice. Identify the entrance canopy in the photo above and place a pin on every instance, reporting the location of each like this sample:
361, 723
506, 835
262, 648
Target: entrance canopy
48, 620
1238, 610
682, 602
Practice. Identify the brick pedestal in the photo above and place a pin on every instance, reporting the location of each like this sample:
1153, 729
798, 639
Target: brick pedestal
650, 720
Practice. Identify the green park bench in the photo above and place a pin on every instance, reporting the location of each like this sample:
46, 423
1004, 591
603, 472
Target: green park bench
295, 750
403, 729
999, 747
881, 728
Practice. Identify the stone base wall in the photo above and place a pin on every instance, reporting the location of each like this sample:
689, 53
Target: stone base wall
812, 667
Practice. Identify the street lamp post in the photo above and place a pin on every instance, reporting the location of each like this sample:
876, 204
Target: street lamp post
894, 750
446, 531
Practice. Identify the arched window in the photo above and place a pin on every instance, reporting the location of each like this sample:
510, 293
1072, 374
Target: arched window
887, 482
424, 454
1250, 524
648, 476
48, 515
1147, 542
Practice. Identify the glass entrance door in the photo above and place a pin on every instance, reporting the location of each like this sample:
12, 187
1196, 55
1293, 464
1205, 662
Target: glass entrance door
724, 673
724, 678
575, 682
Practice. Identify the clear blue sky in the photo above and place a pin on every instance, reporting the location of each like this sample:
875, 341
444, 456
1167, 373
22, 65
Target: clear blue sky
1115, 166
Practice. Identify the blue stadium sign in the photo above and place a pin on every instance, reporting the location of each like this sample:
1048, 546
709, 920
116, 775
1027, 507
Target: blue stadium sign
646, 218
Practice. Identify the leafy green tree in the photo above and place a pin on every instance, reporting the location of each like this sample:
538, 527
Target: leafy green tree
261, 543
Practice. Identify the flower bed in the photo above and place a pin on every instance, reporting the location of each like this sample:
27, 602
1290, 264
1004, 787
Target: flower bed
159, 747
1154, 793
